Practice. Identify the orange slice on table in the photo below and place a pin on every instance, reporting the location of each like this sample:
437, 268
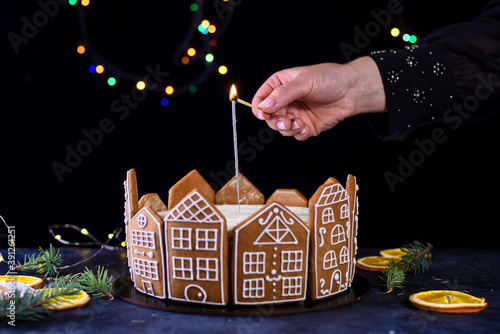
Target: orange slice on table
375, 263
30, 281
68, 302
448, 301
393, 252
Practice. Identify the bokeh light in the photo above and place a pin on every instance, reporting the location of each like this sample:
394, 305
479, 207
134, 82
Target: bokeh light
395, 32
191, 52
211, 28
413, 39
193, 7
164, 101
80, 49
92, 68
185, 60
111, 81
406, 37
222, 69
209, 57
169, 90
72, 2
99, 69
193, 89
85, 3
140, 85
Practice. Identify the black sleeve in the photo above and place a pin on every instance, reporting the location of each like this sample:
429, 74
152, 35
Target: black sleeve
452, 76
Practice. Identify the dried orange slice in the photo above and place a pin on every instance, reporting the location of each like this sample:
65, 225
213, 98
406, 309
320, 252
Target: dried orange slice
393, 252
30, 281
375, 263
448, 301
68, 302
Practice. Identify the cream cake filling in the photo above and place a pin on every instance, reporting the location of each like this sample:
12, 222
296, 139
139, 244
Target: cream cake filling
234, 216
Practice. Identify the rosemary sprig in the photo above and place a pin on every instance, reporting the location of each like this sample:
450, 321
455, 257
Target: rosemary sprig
418, 259
46, 263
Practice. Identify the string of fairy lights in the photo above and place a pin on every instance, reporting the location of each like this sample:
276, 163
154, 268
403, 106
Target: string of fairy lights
186, 54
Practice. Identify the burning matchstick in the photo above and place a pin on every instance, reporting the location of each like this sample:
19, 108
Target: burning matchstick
233, 96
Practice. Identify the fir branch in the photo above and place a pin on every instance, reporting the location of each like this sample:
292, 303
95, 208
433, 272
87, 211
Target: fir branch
97, 285
36, 306
394, 276
418, 259
46, 263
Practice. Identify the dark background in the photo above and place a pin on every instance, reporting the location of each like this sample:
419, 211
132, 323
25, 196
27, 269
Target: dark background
49, 99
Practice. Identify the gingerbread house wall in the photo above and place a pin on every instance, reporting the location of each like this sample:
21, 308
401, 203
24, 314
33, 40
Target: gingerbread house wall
197, 252
147, 253
331, 242
270, 257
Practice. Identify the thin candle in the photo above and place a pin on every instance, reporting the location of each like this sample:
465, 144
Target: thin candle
233, 97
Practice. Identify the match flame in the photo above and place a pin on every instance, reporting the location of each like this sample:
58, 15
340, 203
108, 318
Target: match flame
232, 94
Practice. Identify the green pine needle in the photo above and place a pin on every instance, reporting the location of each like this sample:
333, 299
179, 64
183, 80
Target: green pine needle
418, 259
98, 285
46, 263
34, 307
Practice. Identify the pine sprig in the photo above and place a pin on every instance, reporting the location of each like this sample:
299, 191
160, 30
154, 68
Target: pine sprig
37, 305
98, 285
418, 259
46, 262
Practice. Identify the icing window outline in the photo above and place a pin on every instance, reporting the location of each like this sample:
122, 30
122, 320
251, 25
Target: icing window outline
146, 268
144, 239
327, 216
254, 262
253, 288
329, 260
338, 234
207, 269
292, 286
291, 261
206, 239
181, 238
182, 268
142, 221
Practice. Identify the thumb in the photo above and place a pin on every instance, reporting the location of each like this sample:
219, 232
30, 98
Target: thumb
282, 96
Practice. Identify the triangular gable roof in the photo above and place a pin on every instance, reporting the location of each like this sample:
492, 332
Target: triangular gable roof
196, 209
276, 230
332, 194
249, 194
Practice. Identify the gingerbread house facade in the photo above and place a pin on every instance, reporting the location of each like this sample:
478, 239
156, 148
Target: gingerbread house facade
331, 259
147, 253
197, 252
270, 257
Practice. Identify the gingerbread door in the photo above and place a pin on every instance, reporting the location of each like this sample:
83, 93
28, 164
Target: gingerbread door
270, 257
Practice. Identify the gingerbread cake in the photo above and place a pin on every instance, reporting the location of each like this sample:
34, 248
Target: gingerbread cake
202, 247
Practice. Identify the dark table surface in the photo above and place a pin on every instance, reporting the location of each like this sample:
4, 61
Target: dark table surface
469, 270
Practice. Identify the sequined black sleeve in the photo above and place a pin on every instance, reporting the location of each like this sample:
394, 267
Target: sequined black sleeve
452, 77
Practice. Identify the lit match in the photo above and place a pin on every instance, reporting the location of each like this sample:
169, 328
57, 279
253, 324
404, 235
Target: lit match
233, 96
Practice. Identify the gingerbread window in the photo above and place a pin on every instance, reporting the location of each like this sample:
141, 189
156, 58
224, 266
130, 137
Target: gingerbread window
291, 261
254, 262
329, 260
344, 255
144, 239
327, 216
182, 267
181, 238
206, 239
207, 269
344, 211
253, 288
146, 268
292, 286
338, 235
